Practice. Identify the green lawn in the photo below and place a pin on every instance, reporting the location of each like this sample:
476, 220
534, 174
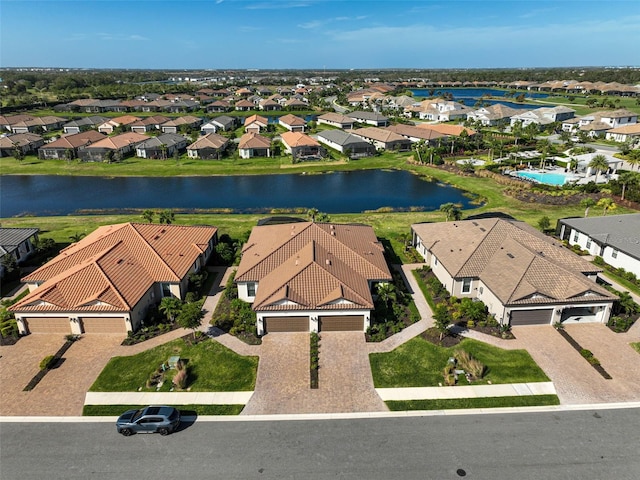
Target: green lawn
212, 368
465, 403
636, 346
419, 363
117, 410
622, 281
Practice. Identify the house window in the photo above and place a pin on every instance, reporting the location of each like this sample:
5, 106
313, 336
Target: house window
166, 290
614, 253
588, 245
576, 235
466, 285
251, 289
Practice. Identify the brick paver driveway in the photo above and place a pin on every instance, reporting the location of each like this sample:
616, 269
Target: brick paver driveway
345, 382
62, 390
575, 380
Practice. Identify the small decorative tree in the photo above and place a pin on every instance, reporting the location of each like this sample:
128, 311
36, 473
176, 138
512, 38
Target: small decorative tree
544, 223
190, 316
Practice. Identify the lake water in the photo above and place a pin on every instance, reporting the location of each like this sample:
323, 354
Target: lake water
338, 192
469, 96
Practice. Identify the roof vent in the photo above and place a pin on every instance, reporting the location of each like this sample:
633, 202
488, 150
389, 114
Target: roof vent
120, 261
327, 261
510, 256
156, 237
333, 232
482, 229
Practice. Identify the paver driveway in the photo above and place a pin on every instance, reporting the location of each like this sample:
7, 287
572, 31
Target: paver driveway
62, 390
345, 382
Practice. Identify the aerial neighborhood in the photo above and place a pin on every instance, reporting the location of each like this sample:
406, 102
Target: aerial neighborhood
541, 264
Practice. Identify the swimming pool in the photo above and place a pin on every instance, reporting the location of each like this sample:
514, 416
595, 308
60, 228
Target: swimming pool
547, 178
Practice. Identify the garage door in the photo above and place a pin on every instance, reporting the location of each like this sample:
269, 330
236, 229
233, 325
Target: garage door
341, 323
531, 317
103, 325
286, 324
48, 325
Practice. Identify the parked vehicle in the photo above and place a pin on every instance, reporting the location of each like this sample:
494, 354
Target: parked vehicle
152, 419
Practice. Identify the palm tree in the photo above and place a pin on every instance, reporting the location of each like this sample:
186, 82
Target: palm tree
587, 203
171, 307
419, 145
573, 164
167, 216
628, 179
599, 164
76, 237
606, 204
544, 147
386, 292
633, 160
312, 213
148, 215
451, 210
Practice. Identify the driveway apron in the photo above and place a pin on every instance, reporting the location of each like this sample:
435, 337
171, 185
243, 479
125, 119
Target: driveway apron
62, 390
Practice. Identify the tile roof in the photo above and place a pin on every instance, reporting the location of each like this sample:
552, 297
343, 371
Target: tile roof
19, 140
256, 119
447, 129
76, 140
336, 118
379, 134
415, 132
120, 141
312, 266
211, 140
516, 262
112, 268
291, 120
298, 139
253, 140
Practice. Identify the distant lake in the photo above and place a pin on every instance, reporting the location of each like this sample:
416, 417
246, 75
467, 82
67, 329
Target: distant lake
469, 96
338, 192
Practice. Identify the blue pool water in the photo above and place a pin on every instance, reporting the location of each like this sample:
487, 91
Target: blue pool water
547, 178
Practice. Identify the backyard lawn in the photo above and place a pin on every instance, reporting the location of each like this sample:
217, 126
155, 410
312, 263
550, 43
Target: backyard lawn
211, 368
419, 363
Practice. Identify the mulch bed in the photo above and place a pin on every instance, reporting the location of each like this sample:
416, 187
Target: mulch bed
432, 335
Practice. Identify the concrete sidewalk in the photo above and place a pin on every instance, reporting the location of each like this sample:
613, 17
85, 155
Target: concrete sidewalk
167, 398
471, 391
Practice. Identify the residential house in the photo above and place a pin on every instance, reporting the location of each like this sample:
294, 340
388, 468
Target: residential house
254, 145
439, 110
158, 105
66, 148
416, 134
106, 282
496, 114
521, 275
347, 143
111, 148
370, 118
223, 123
109, 126
301, 146
628, 133
161, 147
302, 277
219, 106
293, 123
295, 104
336, 120
174, 126
447, 129
615, 238
7, 121
543, 116
148, 124
384, 139
244, 106
38, 124
19, 243
25, 142
268, 104
83, 124
255, 124
596, 124
207, 147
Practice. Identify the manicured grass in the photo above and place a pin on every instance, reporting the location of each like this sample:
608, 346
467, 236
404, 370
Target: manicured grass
636, 346
212, 368
423, 289
465, 403
419, 363
117, 410
622, 281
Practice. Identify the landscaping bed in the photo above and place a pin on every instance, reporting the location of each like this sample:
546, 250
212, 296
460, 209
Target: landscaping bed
211, 367
235, 316
419, 363
586, 354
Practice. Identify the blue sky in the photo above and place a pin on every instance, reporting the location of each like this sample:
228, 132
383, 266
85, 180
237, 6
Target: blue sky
213, 34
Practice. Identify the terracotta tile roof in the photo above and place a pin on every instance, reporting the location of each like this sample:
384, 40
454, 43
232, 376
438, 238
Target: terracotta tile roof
253, 140
245, 104
516, 262
447, 129
628, 129
124, 120
291, 120
154, 120
313, 265
256, 119
211, 140
298, 139
415, 132
112, 268
120, 141
76, 140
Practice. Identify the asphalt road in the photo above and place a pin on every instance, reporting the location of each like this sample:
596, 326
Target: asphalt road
588, 444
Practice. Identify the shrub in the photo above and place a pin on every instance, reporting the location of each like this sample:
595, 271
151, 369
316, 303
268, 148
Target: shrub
588, 354
47, 362
471, 324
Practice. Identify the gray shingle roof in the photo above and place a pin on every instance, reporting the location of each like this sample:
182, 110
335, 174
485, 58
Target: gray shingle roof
622, 232
10, 238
